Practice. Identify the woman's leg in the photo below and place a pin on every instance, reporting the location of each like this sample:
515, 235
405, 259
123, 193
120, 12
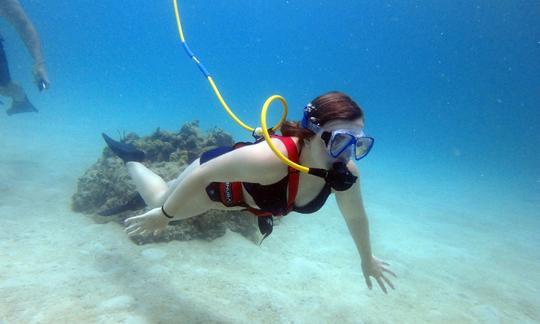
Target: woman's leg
174, 183
152, 188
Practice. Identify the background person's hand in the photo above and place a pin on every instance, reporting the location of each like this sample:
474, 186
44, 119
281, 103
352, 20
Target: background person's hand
376, 268
40, 75
150, 223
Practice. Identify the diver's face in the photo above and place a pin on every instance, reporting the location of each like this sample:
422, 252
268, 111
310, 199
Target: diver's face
331, 146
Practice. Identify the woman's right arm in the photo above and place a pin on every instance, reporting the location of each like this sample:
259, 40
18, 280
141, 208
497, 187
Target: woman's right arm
252, 163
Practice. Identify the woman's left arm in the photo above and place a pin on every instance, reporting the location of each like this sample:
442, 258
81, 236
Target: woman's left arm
352, 208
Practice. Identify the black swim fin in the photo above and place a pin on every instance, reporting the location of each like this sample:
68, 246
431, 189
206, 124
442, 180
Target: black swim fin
22, 106
135, 203
127, 152
266, 225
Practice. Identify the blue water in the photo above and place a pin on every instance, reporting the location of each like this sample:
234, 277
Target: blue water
456, 85
431, 77
450, 90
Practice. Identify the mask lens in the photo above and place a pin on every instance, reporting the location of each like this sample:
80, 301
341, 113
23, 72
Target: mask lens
363, 145
339, 143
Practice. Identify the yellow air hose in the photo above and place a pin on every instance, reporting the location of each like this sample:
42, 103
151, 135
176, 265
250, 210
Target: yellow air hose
259, 130
267, 137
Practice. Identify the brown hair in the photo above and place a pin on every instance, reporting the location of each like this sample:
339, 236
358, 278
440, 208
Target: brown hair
329, 106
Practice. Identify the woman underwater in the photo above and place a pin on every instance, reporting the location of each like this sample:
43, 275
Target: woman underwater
330, 137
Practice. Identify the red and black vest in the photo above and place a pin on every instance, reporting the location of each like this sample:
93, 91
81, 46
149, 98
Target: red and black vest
276, 199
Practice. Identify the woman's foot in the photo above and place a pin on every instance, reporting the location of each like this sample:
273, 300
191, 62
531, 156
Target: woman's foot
127, 152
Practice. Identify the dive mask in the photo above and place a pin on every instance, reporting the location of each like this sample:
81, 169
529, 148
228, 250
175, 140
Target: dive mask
344, 143
340, 142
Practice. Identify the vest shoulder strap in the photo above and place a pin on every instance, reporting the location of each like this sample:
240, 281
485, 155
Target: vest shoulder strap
292, 152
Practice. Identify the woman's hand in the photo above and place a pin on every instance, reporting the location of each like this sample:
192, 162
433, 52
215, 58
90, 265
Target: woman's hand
150, 223
376, 268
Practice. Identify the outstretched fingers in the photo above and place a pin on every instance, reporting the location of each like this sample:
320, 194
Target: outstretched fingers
368, 282
132, 220
379, 270
134, 229
136, 226
389, 271
381, 284
133, 226
388, 282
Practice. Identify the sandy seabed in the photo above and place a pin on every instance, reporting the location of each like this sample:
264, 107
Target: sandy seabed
455, 263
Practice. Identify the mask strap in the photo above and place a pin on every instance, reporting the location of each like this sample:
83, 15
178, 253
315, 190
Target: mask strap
308, 121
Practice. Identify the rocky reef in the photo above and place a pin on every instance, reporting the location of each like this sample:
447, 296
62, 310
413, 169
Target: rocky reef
106, 184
